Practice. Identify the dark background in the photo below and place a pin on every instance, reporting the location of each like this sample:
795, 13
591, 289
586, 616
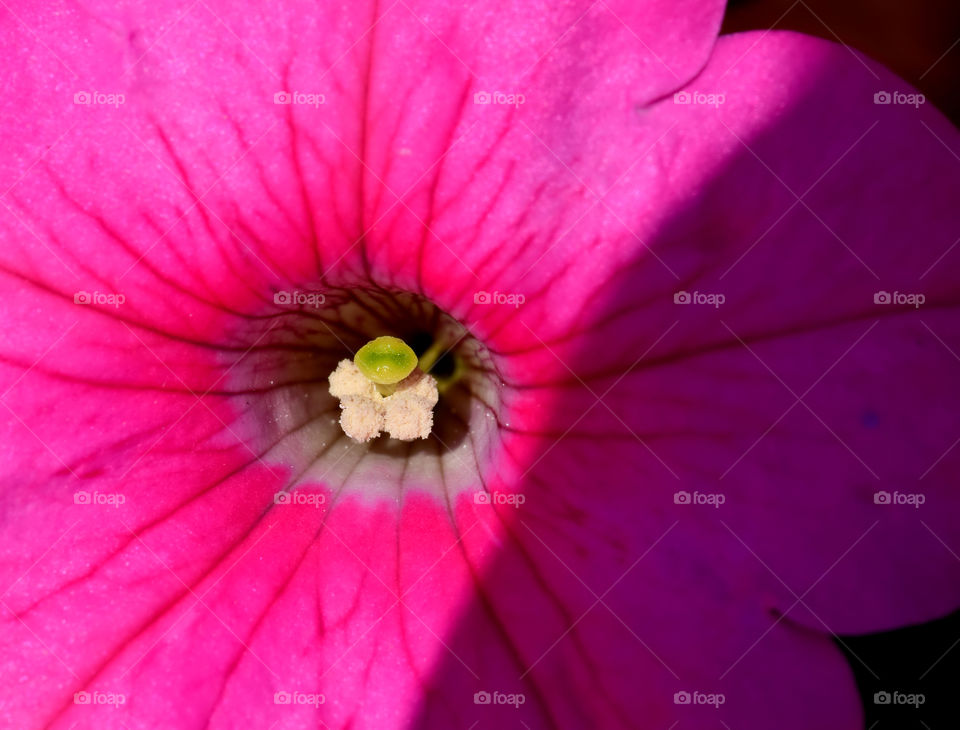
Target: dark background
920, 42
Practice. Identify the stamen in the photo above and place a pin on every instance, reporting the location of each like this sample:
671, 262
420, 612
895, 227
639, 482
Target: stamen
382, 390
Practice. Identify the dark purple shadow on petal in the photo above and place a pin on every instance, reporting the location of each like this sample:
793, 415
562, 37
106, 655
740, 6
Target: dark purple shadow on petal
533, 627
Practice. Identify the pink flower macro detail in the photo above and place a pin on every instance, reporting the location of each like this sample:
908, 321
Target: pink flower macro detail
692, 306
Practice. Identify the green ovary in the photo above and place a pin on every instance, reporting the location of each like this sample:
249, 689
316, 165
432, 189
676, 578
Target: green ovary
385, 360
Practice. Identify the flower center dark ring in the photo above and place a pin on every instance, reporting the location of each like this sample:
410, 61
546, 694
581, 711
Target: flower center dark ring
293, 421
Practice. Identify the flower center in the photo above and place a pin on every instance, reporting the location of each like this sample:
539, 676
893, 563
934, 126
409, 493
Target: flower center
292, 420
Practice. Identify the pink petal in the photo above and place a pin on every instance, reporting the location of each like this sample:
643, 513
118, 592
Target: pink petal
305, 600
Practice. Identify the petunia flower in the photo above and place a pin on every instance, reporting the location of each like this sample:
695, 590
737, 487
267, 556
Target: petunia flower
691, 304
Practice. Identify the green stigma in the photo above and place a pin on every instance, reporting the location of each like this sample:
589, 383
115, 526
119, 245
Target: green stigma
385, 360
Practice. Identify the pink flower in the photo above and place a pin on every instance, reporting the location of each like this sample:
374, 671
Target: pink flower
699, 300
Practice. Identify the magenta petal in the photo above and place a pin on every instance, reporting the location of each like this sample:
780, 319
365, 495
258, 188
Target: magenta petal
203, 604
801, 320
